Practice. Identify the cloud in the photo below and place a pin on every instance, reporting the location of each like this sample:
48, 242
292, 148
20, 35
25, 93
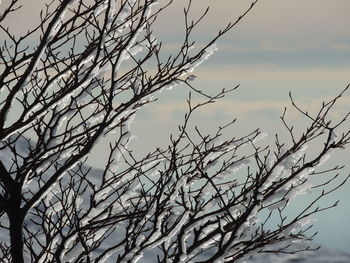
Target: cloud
298, 20
340, 46
290, 20
286, 47
268, 46
229, 107
267, 74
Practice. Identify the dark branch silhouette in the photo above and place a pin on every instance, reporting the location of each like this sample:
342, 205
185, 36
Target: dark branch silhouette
93, 65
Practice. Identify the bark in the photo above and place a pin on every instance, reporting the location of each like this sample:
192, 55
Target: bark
16, 219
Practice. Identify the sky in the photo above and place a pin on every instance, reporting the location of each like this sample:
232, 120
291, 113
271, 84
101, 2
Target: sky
296, 46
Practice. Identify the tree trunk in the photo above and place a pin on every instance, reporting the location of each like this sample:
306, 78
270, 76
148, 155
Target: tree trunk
16, 219
16, 236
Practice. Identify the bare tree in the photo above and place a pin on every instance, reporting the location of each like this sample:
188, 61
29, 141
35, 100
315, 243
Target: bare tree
203, 199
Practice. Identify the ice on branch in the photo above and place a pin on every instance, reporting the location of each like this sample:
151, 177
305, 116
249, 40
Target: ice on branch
81, 83
57, 26
189, 68
334, 137
176, 229
284, 168
325, 158
234, 168
291, 229
101, 8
